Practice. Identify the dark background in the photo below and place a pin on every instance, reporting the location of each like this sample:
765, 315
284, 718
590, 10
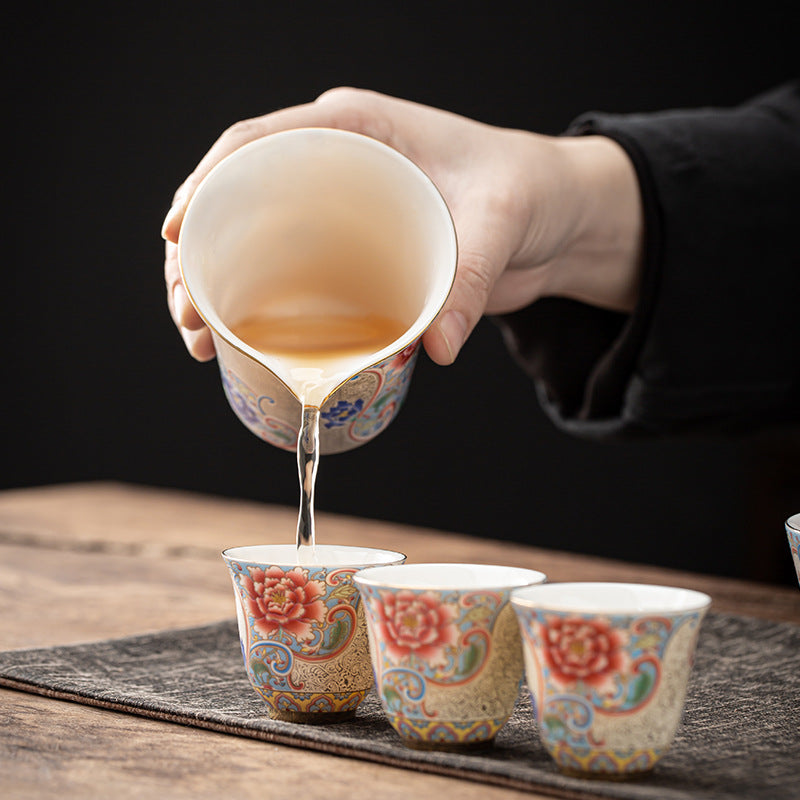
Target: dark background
107, 112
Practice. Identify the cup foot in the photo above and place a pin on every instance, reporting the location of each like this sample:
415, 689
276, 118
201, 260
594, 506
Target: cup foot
311, 708
605, 776
449, 747
312, 717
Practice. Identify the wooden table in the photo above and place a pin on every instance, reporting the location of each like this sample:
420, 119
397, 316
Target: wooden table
83, 562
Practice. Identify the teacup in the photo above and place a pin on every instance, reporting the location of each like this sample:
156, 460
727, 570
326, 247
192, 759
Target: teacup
607, 666
793, 534
315, 224
445, 648
301, 627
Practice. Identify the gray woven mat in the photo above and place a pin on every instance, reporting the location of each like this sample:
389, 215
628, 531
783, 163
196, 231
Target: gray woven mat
740, 737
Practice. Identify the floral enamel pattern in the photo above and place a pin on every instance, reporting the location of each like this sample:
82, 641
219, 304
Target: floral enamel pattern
341, 413
440, 655
258, 413
393, 377
355, 413
583, 650
598, 685
284, 604
416, 626
303, 636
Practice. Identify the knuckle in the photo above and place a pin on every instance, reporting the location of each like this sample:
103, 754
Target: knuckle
242, 131
358, 110
341, 95
475, 272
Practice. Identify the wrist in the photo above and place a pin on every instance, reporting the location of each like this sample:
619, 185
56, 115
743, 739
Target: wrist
601, 263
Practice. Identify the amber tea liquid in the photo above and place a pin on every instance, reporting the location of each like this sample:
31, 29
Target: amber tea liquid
316, 338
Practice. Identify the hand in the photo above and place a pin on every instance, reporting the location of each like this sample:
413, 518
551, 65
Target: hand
534, 215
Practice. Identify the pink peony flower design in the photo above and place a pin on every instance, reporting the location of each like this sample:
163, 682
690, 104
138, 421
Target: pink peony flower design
281, 601
582, 650
415, 624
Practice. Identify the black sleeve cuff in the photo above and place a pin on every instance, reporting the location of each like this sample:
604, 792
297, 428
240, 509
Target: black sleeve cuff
714, 342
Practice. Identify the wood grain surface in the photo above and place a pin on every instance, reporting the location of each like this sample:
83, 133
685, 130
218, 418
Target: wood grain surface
83, 562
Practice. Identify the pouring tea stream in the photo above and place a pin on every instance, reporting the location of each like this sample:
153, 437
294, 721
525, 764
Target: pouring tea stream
317, 258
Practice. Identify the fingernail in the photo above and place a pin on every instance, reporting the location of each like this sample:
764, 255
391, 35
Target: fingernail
172, 214
453, 328
181, 304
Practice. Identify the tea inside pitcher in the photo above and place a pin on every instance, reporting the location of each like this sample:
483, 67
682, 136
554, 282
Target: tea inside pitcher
318, 339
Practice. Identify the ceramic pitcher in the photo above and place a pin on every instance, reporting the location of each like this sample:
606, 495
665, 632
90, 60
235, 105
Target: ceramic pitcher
377, 233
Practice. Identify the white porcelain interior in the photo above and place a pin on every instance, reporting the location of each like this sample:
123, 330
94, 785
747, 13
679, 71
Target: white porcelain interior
449, 576
794, 523
301, 203
323, 555
610, 598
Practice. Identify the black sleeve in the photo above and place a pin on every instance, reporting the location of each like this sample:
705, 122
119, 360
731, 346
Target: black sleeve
714, 343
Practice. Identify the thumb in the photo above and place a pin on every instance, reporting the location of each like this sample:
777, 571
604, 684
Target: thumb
476, 273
